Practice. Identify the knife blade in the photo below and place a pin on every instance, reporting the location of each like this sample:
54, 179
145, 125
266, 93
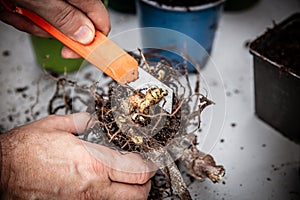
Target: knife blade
146, 80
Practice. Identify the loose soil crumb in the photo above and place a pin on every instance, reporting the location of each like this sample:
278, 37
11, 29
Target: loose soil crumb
236, 91
2, 129
10, 118
6, 53
21, 89
228, 94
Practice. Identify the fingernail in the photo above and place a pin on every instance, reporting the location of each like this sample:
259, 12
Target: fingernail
82, 121
68, 53
84, 35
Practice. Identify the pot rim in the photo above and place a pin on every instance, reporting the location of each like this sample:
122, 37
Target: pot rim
279, 66
278, 27
181, 8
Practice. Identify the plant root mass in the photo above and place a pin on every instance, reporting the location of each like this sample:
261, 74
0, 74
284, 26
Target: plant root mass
133, 121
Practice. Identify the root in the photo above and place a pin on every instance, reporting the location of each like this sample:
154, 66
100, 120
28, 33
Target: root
135, 123
201, 165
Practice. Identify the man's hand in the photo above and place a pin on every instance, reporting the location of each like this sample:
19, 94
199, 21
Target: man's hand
44, 160
76, 19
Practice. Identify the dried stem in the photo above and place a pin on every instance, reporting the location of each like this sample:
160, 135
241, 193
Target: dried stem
201, 165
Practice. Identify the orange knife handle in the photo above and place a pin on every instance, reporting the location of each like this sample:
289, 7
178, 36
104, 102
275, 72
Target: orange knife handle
101, 52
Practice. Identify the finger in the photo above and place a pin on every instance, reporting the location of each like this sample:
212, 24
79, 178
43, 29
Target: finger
68, 53
22, 23
96, 11
66, 18
126, 191
74, 123
124, 168
131, 168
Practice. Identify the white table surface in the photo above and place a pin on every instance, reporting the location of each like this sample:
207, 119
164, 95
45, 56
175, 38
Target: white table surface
260, 163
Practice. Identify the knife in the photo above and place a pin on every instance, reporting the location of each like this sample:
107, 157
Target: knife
103, 54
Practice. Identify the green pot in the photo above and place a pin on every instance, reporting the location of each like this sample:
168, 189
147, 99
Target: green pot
48, 55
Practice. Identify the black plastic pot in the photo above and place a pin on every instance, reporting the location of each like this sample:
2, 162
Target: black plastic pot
277, 77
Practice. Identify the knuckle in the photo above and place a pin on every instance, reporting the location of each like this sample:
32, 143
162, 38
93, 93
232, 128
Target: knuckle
65, 119
85, 195
55, 119
82, 3
65, 18
51, 118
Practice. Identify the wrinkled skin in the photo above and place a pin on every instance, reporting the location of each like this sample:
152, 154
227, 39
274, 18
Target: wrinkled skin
44, 160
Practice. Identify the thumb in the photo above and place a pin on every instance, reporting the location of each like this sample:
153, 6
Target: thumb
128, 168
66, 18
73, 123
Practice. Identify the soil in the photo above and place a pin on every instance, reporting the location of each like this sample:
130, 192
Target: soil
126, 142
21, 89
282, 45
184, 3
